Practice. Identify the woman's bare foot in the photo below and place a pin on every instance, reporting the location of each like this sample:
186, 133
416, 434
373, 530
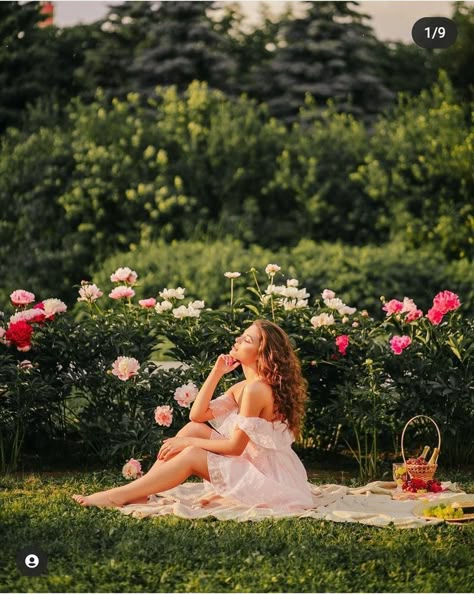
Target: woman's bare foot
100, 499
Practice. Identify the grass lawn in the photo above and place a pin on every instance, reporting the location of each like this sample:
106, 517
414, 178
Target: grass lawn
100, 550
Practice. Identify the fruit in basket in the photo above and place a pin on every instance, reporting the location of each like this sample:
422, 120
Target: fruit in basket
417, 461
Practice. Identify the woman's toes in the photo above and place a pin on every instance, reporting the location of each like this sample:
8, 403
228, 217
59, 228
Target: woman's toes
80, 499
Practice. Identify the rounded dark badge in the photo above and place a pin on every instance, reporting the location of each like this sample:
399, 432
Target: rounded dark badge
31, 561
434, 32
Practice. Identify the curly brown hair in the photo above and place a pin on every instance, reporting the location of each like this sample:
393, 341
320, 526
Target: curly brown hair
279, 367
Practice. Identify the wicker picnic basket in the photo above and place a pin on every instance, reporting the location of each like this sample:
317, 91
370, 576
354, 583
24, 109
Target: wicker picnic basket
421, 471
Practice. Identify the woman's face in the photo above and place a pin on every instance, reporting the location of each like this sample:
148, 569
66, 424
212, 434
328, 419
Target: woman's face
246, 345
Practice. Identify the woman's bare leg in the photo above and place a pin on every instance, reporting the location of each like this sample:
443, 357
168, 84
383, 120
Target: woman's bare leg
192, 429
191, 460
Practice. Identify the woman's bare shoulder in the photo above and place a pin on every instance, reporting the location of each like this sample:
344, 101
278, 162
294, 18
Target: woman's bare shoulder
236, 390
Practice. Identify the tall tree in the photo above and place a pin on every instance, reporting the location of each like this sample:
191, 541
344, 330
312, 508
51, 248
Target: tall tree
182, 45
458, 59
114, 42
25, 72
329, 54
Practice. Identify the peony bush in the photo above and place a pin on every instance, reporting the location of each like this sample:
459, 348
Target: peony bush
94, 381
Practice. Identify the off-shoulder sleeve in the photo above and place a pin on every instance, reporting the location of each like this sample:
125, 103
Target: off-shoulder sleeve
221, 408
263, 433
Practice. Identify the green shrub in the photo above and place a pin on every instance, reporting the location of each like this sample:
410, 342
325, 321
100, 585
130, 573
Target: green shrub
358, 274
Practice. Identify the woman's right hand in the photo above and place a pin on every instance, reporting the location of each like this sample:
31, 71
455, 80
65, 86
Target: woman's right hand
225, 364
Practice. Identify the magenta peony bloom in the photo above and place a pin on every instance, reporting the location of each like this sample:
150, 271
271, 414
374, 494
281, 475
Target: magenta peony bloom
342, 342
435, 316
164, 415
393, 306
121, 292
446, 301
125, 368
21, 297
414, 315
151, 302
399, 343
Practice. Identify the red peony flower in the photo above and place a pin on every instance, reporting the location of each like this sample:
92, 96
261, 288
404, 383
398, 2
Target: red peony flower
19, 334
342, 342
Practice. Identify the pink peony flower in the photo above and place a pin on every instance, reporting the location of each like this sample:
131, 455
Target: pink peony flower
124, 275
399, 343
28, 315
186, 394
151, 302
342, 342
89, 292
2, 335
408, 305
132, 469
328, 294
125, 368
435, 316
164, 415
21, 297
393, 306
446, 301
414, 315
121, 292
25, 365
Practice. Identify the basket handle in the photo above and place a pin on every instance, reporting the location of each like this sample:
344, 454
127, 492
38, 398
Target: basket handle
412, 419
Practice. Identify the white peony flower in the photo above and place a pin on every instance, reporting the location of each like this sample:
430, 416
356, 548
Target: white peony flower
186, 312
173, 293
334, 303
271, 269
323, 319
232, 274
292, 282
302, 294
328, 294
290, 292
53, 307
345, 309
197, 304
163, 306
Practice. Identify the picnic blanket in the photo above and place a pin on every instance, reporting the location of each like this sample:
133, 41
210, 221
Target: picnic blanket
373, 504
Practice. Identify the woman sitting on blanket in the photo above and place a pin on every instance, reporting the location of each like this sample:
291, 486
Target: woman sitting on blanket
246, 457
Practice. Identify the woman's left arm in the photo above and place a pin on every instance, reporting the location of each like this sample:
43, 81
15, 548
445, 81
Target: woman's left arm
254, 399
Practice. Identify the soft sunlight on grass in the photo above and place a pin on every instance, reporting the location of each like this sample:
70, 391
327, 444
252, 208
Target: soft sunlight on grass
91, 549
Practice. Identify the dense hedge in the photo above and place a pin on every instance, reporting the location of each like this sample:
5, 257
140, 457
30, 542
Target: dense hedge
358, 274
360, 393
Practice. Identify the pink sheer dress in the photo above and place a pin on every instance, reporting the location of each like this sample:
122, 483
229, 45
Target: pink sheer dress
268, 473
